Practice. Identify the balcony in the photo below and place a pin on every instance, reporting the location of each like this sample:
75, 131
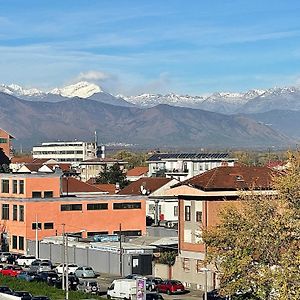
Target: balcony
177, 172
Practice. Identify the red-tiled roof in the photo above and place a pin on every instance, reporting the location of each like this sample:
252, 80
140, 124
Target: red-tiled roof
72, 185
233, 178
27, 159
62, 166
274, 164
149, 183
137, 171
105, 187
33, 167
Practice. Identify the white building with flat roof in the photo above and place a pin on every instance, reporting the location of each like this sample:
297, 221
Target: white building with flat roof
71, 152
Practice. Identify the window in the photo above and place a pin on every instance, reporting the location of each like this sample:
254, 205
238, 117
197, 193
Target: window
48, 194
21, 213
21, 243
48, 226
3, 141
15, 186
33, 226
14, 242
5, 186
70, 207
128, 205
199, 216
97, 206
187, 213
15, 212
92, 233
199, 265
5, 211
186, 265
175, 211
36, 194
21, 187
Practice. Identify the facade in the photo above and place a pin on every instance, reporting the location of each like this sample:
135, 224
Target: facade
30, 201
200, 200
92, 167
6, 143
160, 208
71, 152
186, 165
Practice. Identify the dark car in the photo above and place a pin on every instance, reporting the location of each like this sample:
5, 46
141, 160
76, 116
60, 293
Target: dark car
170, 287
154, 296
5, 290
40, 298
152, 282
48, 277
73, 281
214, 295
24, 295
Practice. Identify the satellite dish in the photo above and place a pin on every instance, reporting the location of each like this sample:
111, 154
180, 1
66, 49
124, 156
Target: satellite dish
144, 191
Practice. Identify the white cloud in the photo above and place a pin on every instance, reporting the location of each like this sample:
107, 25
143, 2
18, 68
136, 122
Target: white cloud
93, 76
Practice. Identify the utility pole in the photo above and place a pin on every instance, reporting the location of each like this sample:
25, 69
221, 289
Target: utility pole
63, 258
36, 237
121, 250
67, 267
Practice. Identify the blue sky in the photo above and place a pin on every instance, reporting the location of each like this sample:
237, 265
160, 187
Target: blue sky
159, 46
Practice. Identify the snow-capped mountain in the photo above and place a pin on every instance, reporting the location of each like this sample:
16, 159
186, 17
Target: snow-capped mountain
17, 91
82, 89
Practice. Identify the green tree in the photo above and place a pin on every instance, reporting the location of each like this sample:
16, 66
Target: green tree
113, 175
256, 245
133, 159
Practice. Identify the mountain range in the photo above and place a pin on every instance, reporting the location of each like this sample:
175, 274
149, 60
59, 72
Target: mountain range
218, 120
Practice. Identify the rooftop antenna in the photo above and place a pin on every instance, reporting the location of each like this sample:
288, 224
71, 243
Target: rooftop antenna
96, 138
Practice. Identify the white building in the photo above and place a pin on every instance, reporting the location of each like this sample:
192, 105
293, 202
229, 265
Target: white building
182, 166
72, 152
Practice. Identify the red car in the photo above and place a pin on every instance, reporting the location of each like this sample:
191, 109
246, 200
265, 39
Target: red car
170, 287
12, 271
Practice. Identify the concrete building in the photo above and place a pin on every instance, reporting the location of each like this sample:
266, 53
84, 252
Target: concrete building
30, 201
91, 168
186, 165
62, 151
6, 143
200, 200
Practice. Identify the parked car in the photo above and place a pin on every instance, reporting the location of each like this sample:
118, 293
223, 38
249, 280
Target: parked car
25, 275
12, 271
48, 277
4, 256
89, 286
5, 290
152, 282
214, 295
24, 295
154, 296
170, 287
133, 276
85, 272
41, 265
71, 268
25, 260
72, 280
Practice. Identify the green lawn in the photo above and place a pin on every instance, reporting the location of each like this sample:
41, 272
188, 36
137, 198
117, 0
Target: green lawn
41, 288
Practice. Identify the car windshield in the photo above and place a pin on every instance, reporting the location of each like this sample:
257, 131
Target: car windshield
175, 282
93, 283
44, 264
89, 269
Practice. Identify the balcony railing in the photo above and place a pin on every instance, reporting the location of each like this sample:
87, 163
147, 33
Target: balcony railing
177, 171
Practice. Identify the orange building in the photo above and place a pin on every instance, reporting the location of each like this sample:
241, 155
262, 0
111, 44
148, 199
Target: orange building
5, 142
30, 200
200, 200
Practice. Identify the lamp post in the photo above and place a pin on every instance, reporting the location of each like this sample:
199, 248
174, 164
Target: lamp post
66, 261
205, 270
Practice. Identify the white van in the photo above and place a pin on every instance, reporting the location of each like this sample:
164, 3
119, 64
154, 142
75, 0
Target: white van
25, 260
122, 289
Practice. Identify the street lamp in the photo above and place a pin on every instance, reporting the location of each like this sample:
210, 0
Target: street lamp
66, 260
205, 270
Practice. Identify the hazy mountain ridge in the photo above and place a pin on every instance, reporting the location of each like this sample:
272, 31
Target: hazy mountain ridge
32, 122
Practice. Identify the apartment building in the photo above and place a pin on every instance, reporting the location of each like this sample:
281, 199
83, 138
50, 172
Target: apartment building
200, 200
182, 166
63, 151
30, 201
6, 143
